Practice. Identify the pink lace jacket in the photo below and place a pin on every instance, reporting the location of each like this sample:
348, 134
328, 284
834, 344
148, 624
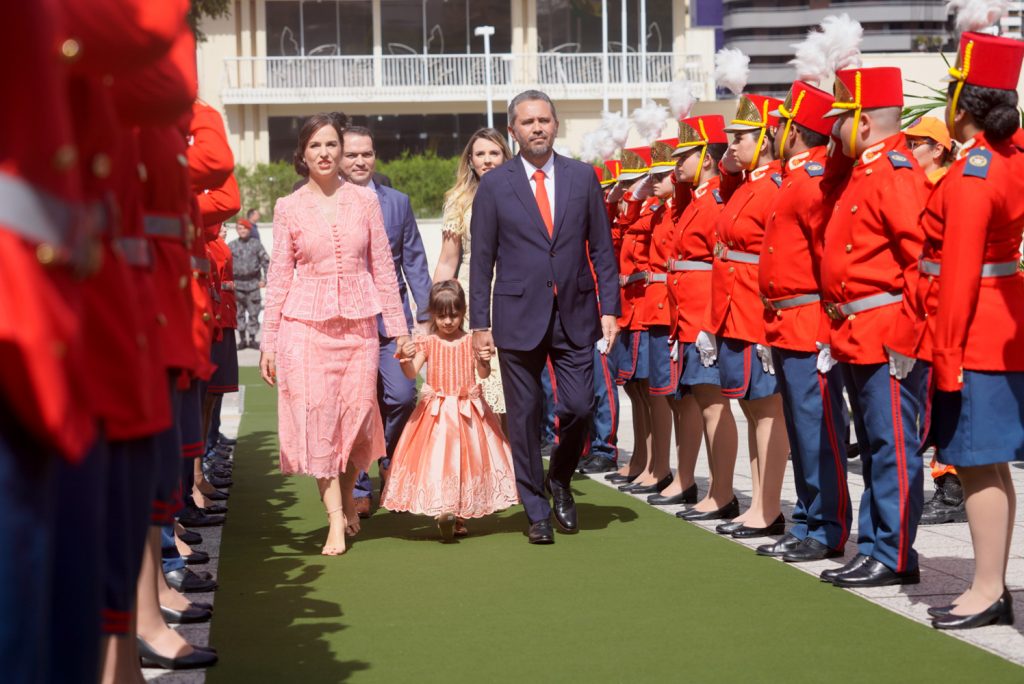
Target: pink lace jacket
320, 271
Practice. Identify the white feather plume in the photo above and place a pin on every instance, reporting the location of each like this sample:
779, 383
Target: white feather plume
649, 120
617, 126
832, 46
588, 147
681, 98
977, 15
605, 144
732, 70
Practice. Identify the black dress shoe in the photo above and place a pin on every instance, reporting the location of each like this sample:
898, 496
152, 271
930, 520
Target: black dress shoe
728, 527
778, 526
564, 507
854, 564
196, 659
540, 533
729, 510
220, 482
999, 613
654, 488
190, 615
938, 611
190, 538
185, 580
688, 496
598, 464
874, 573
215, 509
619, 478
221, 439
197, 558
194, 517
217, 496
205, 605
811, 550
778, 549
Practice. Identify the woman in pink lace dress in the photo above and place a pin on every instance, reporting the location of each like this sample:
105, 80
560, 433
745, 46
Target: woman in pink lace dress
330, 275
452, 460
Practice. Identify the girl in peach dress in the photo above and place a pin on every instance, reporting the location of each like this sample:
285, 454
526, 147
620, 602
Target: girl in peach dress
331, 274
452, 460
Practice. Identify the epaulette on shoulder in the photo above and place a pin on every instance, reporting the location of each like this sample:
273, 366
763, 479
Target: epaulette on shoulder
717, 195
777, 177
814, 169
899, 160
978, 163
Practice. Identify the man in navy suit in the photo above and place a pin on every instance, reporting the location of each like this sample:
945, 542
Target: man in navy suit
396, 393
540, 219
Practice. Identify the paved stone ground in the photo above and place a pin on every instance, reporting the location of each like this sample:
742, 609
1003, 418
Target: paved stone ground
945, 551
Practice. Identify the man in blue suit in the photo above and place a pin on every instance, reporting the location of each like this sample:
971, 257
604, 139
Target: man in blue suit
396, 394
540, 219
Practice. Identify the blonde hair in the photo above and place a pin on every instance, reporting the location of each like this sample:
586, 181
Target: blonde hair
459, 198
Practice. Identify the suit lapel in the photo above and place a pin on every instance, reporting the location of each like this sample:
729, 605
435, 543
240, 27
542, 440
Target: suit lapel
563, 184
521, 187
385, 206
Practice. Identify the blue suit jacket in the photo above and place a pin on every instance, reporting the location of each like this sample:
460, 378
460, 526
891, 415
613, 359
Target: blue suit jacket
508, 233
407, 250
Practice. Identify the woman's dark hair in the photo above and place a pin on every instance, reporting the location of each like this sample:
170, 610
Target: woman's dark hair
447, 298
994, 110
811, 138
717, 150
309, 129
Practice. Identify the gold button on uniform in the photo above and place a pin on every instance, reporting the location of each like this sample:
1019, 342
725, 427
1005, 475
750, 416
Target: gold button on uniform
853, 209
868, 172
45, 254
101, 165
851, 317
771, 250
183, 282
206, 316
70, 49
731, 269
143, 173
64, 157
849, 248
182, 159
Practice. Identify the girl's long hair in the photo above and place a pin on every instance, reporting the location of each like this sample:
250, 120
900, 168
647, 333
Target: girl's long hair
446, 298
459, 198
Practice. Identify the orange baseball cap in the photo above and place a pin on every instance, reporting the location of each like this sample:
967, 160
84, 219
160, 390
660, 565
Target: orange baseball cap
930, 127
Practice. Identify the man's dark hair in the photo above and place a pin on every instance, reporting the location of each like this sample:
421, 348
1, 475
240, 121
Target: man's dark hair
526, 96
252, 212
811, 138
340, 119
994, 110
359, 130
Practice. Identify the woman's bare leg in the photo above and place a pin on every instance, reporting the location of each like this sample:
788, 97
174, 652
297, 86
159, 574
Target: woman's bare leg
689, 430
330, 495
769, 450
721, 440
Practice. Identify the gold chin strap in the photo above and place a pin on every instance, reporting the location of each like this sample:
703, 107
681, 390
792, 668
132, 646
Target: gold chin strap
703, 152
789, 116
961, 78
760, 137
855, 108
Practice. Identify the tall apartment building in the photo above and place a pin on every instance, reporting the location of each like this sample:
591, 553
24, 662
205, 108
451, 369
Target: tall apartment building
415, 70
767, 29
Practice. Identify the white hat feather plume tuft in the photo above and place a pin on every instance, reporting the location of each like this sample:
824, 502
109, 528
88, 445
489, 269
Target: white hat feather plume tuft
649, 120
681, 98
617, 126
834, 45
732, 70
977, 15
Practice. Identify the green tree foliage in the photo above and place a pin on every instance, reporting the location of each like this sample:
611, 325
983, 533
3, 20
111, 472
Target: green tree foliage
214, 9
425, 178
263, 184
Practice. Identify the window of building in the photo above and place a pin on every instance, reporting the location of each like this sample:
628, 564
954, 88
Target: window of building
319, 27
436, 27
574, 26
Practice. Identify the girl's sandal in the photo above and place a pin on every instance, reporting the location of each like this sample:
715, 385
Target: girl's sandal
333, 549
446, 524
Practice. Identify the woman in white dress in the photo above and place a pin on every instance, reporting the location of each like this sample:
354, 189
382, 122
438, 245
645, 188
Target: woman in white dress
485, 150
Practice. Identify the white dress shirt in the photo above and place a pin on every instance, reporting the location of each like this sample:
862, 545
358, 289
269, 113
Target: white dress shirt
549, 180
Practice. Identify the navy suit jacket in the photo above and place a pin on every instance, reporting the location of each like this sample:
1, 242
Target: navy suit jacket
407, 250
508, 233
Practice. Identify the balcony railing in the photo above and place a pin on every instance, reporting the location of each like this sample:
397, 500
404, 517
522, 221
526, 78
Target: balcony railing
258, 80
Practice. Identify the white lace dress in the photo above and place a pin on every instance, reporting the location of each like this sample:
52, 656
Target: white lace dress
493, 393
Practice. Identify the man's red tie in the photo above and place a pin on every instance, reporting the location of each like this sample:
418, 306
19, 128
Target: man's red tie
541, 193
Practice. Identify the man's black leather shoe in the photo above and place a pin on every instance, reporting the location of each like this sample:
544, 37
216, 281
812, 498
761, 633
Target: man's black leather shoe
874, 573
197, 558
190, 615
221, 439
190, 538
619, 478
729, 510
854, 564
564, 507
999, 613
811, 550
653, 488
540, 533
196, 659
597, 464
777, 550
778, 526
688, 496
185, 580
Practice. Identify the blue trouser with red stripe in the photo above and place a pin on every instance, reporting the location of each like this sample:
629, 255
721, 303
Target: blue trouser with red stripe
888, 415
814, 409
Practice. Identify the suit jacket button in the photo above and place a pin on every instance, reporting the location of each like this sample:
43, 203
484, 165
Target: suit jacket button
552, 253
549, 283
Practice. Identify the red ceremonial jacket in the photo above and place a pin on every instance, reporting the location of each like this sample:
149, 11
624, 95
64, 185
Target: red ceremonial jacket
634, 257
695, 241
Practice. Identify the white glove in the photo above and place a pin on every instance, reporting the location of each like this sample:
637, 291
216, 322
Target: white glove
825, 360
765, 354
602, 346
673, 350
707, 348
899, 365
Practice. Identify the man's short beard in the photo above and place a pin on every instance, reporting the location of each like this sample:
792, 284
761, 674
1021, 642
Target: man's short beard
538, 149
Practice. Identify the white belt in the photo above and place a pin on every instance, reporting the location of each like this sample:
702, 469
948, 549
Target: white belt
657, 278
726, 254
638, 277
675, 266
790, 302
838, 312
990, 270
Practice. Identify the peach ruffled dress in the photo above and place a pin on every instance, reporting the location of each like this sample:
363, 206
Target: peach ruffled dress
326, 284
452, 456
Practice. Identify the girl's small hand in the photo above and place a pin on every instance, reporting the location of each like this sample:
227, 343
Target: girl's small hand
408, 351
484, 354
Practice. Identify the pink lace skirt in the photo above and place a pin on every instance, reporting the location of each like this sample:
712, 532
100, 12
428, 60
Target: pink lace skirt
327, 395
451, 458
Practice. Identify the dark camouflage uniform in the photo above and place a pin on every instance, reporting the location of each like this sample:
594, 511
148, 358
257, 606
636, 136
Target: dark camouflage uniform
250, 267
